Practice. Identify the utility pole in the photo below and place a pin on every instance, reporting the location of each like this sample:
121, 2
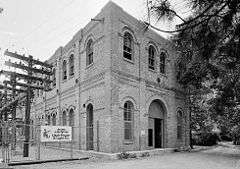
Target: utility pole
30, 77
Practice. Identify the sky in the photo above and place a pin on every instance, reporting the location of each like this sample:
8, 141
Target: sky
39, 27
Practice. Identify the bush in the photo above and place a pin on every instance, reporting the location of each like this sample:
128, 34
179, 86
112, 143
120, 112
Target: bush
125, 155
145, 154
205, 139
225, 137
235, 133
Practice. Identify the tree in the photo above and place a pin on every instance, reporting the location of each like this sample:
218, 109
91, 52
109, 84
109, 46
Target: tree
208, 41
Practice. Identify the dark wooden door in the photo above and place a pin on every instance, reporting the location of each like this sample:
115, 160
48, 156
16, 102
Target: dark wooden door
89, 132
158, 133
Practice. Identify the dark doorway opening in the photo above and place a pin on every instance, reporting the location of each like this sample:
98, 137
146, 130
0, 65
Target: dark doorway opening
158, 133
89, 127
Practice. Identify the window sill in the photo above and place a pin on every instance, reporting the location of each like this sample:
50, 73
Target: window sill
128, 60
71, 76
89, 66
152, 70
128, 142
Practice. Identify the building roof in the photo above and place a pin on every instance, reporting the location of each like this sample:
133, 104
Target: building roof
110, 5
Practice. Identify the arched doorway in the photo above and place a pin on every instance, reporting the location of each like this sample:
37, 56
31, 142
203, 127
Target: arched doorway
89, 127
156, 122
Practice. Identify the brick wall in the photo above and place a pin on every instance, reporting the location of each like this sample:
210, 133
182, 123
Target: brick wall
111, 80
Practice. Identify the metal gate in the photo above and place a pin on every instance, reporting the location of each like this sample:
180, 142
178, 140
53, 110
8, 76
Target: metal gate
12, 140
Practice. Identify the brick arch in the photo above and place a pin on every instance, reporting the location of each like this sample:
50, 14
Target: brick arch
157, 122
71, 107
164, 51
128, 98
154, 45
156, 97
90, 36
179, 109
129, 30
89, 101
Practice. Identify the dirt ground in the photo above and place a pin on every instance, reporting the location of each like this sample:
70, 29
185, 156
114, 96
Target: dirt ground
223, 156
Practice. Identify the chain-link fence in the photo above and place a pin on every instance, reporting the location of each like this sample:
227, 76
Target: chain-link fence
12, 140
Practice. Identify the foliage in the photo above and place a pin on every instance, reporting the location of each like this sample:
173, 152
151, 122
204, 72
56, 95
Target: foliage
209, 44
145, 154
235, 132
200, 118
206, 139
125, 155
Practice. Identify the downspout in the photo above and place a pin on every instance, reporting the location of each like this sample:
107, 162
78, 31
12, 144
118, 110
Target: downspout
79, 90
139, 95
59, 87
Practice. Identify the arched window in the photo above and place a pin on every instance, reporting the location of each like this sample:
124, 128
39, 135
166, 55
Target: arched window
64, 68
64, 118
128, 120
162, 63
54, 77
54, 119
180, 118
71, 118
151, 57
128, 46
71, 65
89, 52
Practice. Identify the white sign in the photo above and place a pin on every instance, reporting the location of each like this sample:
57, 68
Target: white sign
56, 133
143, 132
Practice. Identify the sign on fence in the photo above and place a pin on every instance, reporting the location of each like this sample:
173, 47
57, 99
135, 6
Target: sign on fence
56, 133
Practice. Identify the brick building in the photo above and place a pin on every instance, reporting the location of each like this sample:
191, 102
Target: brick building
115, 83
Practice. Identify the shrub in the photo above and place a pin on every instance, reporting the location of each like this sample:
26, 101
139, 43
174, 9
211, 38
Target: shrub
225, 137
235, 133
125, 155
206, 139
145, 154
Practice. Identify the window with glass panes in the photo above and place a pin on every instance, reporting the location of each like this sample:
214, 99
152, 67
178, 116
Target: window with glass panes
54, 119
71, 118
179, 124
151, 57
54, 77
128, 120
64, 68
128, 46
89, 52
71, 65
64, 118
162, 62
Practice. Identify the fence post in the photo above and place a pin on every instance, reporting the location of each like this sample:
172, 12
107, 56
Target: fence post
14, 135
38, 141
98, 135
71, 155
2, 134
3, 142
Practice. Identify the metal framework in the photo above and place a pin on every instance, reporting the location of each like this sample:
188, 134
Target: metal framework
9, 107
